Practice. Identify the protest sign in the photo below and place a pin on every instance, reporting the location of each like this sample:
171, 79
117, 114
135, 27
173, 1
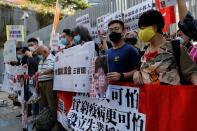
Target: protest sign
12, 78
99, 85
100, 22
54, 41
84, 21
94, 35
72, 68
167, 3
115, 16
9, 53
102, 114
131, 15
15, 32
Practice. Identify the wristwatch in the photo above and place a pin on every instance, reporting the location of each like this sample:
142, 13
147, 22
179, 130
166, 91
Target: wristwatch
121, 77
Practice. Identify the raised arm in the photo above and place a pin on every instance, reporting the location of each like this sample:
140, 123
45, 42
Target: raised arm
182, 8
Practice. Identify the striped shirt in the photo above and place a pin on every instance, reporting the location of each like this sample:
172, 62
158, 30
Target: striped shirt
45, 65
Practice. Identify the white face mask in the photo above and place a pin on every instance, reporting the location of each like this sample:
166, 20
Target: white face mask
180, 39
32, 49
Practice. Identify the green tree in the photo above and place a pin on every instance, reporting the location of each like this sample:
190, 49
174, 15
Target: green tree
74, 4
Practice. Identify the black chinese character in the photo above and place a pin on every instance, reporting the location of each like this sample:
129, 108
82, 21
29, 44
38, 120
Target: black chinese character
132, 99
111, 116
69, 70
117, 95
78, 70
83, 70
74, 70
137, 123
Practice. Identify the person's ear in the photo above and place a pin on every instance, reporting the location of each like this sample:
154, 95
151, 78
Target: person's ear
155, 28
123, 32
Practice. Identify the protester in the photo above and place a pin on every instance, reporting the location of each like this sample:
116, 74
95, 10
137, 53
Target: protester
158, 63
188, 32
131, 38
45, 73
184, 40
122, 57
32, 44
104, 44
32, 65
82, 35
67, 38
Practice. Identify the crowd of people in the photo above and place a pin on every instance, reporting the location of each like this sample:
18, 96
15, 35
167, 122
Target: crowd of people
144, 56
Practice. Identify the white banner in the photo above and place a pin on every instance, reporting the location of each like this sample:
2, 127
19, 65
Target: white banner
167, 3
102, 114
15, 32
131, 15
72, 68
115, 16
84, 21
9, 53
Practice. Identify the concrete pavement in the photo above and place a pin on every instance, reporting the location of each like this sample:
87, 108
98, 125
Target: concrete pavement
8, 119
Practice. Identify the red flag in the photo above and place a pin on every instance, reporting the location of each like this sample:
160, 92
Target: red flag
167, 107
168, 14
56, 18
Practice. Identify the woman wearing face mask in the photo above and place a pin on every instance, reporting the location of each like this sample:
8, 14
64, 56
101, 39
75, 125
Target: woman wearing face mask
158, 63
82, 35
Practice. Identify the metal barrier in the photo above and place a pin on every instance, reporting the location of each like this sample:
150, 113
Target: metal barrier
106, 6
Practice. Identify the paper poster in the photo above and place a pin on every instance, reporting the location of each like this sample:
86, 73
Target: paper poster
54, 41
9, 53
71, 69
99, 88
84, 21
103, 114
115, 16
131, 15
15, 32
167, 3
100, 22
12, 79
94, 35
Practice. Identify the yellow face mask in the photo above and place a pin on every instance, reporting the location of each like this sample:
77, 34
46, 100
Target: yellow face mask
146, 34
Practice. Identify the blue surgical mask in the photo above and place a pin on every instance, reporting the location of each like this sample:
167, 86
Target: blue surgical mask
77, 39
63, 41
180, 39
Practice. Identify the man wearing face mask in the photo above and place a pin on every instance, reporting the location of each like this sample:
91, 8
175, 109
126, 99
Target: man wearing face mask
32, 44
45, 78
122, 57
32, 65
